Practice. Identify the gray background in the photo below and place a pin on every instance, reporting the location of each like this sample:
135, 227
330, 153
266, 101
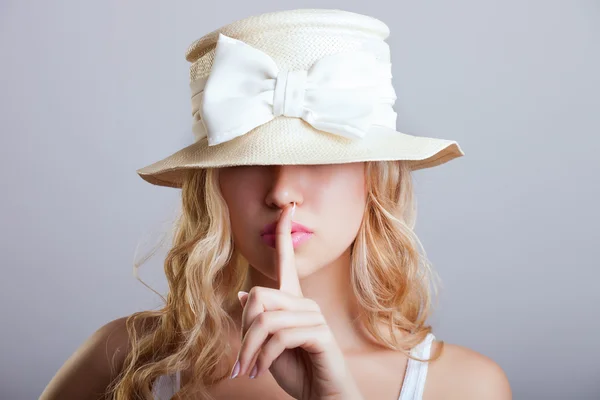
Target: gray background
91, 91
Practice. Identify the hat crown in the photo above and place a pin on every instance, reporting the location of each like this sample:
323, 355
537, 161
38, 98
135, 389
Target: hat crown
236, 97
296, 39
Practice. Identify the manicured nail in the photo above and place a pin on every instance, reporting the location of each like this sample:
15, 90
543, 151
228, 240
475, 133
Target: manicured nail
236, 369
293, 210
241, 295
253, 373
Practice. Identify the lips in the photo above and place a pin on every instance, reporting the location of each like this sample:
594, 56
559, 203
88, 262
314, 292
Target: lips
299, 235
269, 229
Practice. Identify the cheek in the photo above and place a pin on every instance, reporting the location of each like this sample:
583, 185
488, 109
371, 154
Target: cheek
345, 211
240, 202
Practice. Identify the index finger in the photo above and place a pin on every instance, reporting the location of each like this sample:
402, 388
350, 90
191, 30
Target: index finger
285, 258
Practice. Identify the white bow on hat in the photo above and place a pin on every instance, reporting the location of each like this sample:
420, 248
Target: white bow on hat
344, 93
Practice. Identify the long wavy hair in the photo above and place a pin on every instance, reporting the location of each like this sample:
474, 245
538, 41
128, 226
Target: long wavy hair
391, 278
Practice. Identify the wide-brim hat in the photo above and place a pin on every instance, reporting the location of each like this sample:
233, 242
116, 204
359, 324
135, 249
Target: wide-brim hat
307, 86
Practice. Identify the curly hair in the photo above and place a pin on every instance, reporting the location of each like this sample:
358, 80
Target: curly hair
390, 276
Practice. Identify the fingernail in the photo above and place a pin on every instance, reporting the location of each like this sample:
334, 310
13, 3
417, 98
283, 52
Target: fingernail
293, 210
236, 369
241, 296
253, 373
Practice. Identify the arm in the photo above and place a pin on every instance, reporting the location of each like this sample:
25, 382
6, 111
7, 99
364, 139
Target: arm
89, 371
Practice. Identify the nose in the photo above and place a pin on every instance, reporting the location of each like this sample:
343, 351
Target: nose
286, 186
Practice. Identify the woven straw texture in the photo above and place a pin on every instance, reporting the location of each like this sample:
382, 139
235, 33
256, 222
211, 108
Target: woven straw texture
295, 39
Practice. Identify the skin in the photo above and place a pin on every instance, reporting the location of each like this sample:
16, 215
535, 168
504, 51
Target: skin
330, 201
318, 370
309, 287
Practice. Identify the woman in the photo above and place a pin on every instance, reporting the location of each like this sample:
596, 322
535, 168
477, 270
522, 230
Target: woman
295, 271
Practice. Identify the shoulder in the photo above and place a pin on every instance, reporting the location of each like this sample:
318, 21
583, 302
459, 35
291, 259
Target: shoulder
462, 373
95, 363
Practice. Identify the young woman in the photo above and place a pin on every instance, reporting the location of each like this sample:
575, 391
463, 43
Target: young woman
295, 272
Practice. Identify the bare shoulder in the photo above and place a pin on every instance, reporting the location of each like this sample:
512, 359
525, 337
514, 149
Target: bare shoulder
462, 373
97, 361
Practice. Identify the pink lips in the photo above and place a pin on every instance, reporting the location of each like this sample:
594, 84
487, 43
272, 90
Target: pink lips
300, 234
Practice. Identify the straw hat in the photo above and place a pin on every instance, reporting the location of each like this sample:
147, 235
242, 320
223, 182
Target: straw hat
308, 86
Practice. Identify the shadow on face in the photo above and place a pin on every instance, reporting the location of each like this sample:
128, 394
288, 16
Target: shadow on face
330, 201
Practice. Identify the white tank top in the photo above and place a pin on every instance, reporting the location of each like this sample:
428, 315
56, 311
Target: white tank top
412, 387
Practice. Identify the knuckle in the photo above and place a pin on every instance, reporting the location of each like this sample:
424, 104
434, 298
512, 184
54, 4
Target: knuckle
253, 291
280, 338
262, 320
259, 293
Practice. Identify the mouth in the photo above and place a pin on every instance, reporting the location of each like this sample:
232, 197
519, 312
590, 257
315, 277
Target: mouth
269, 229
270, 239
299, 233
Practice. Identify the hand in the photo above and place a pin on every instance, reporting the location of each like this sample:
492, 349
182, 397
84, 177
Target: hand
284, 332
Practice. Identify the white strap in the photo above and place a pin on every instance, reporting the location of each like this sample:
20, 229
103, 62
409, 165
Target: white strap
416, 371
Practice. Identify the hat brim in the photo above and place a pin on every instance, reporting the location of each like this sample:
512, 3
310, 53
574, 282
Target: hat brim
292, 141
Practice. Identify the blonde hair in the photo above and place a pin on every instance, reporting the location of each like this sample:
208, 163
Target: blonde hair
392, 280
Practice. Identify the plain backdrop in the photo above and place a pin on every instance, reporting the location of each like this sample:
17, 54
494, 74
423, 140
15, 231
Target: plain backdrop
92, 91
